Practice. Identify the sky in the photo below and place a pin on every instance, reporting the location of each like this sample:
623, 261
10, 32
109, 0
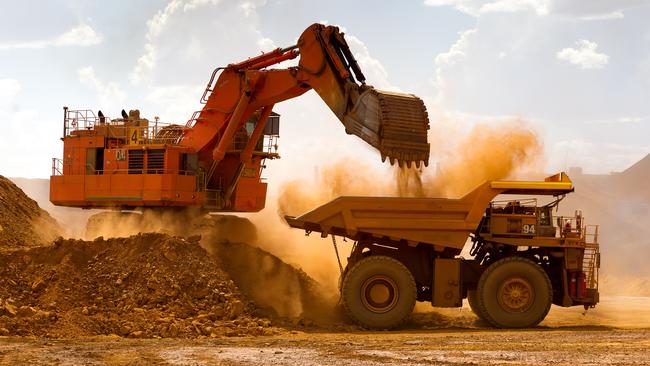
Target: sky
577, 71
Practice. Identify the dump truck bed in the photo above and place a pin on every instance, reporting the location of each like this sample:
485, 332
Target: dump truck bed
435, 221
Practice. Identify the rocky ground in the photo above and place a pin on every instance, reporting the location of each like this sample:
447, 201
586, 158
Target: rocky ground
617, 332
567, 346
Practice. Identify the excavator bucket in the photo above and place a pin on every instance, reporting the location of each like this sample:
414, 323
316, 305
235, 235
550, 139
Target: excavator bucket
396, 124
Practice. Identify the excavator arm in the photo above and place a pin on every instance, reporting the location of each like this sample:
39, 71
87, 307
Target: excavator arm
396, 124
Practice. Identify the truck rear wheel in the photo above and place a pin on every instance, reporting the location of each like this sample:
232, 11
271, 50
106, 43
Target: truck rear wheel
379, 292
514, 293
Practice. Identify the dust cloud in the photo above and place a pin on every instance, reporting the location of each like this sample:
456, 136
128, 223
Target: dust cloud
344, 177
487, 152
620, 205
467, 160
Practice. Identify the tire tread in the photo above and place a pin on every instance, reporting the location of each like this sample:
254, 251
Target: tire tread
377, 258
499, 263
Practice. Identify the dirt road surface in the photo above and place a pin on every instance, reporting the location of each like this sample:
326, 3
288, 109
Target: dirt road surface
581, 345
615, 333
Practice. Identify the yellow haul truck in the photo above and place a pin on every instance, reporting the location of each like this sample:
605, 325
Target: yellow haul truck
407, 249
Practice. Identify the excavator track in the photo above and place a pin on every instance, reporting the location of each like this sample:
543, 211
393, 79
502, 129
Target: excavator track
396, 124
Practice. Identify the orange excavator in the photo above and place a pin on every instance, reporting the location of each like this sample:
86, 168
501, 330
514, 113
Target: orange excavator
215, 161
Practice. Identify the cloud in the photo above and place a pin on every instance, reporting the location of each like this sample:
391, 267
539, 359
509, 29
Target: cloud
9, 88
604, 16
631, 119
155, 26
585, 55
477, 7
577, 9
374, 71
110, 94
250, 7
180, 24
521, 64
372, 68
82, 35
594, 10
20, 124
540, 7
456, 53
175, 103
266, 44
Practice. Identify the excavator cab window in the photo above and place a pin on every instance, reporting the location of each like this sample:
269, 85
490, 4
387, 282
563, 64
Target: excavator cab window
94, 161
188, 164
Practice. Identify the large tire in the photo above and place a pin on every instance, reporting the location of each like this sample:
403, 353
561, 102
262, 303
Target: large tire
379, 292
514, 292
472, 299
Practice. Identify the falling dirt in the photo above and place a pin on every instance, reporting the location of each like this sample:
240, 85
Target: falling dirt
22, 222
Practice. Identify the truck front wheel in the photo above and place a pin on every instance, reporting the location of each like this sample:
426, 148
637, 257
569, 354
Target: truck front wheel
379, 292
514, 292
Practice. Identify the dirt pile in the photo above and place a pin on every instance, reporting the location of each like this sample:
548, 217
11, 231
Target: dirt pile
148, 285
22, 222
279, 289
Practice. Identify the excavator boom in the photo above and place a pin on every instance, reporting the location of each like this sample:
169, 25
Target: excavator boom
395, 124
